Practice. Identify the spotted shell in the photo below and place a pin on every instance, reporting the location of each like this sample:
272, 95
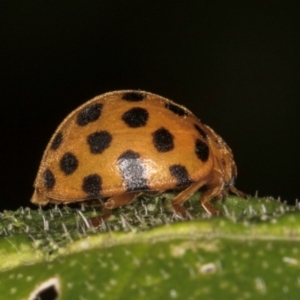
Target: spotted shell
125, 142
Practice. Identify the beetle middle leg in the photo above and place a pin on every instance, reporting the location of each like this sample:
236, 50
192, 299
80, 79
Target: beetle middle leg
110, 204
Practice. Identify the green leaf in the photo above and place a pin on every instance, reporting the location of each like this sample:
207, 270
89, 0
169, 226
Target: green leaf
144, 251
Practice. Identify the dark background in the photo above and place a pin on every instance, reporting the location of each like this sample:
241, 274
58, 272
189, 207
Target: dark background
236, 66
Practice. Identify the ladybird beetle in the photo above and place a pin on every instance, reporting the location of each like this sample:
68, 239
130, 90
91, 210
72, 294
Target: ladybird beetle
123, 143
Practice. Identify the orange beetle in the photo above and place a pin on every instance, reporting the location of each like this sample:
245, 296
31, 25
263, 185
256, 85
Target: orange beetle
122, 143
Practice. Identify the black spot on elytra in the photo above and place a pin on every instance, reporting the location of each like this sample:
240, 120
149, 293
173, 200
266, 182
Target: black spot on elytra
134, 96
163, 140
201, 150
181, 174
92, 185
99, 141
201, 131
57, 141
133, 171
89, 114
49, 179
176, 109
68, 163
136, 117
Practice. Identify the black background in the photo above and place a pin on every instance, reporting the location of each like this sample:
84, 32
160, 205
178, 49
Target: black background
234, 64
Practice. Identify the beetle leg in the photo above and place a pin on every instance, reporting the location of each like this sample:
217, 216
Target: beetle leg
237, 192
119, 200
208, 195
109, 205
184, 195
216, 189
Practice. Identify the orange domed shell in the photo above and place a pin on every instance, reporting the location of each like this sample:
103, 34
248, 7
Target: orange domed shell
122, 143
